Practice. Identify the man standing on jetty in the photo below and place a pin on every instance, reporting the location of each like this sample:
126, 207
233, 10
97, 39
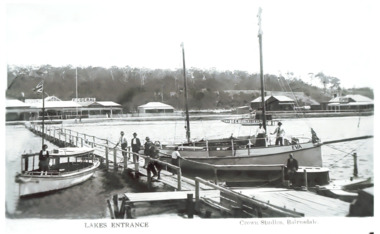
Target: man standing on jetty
291, 168
123, 143
136, 145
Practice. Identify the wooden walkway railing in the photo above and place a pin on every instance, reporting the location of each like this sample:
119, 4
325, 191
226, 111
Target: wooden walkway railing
113, 156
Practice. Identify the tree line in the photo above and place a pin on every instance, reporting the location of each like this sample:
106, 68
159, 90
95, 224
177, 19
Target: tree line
131, 87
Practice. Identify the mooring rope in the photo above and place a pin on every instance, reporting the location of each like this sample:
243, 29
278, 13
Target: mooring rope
346, 154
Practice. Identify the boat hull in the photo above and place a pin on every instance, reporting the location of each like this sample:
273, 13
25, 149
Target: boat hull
36, 184
307, 154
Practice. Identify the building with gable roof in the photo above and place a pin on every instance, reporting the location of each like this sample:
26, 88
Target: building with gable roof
274, 103
352, 102
155, 107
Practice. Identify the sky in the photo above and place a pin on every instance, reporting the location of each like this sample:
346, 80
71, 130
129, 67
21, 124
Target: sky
338, 38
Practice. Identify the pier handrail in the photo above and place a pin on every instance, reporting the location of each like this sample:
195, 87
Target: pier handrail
256, 203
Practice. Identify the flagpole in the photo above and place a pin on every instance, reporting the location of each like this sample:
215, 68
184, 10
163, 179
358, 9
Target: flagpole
186, 105
43, 114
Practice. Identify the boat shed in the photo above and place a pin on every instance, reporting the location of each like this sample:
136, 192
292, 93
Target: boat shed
274, 103
351, 102
155, 107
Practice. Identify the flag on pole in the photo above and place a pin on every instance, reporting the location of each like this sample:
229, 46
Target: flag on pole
38, 88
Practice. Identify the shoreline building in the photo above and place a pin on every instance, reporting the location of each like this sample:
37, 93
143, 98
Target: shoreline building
155, 108
55, 109
274, 103
352, 102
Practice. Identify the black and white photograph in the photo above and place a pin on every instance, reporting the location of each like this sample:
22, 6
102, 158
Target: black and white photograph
172, 116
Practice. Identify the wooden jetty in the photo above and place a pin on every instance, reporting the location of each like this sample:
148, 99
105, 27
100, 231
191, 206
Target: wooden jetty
219, 201
196, 196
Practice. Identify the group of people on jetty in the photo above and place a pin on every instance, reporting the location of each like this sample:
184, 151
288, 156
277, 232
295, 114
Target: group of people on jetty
151, 150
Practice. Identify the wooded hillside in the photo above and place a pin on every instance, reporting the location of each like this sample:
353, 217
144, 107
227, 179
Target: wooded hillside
132, 87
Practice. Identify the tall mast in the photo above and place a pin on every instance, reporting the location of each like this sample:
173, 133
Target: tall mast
261, 70
186, 105
76, 89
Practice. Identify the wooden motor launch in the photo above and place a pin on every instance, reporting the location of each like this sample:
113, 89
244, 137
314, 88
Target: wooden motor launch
68, 167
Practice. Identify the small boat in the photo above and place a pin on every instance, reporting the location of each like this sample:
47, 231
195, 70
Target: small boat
68, 167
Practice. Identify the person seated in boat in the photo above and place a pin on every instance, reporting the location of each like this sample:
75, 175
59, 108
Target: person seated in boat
291, 168
44, 160
280, 132
260, 136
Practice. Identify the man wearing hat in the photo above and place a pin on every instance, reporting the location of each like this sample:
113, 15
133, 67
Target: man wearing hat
123, 143
279, 134
136, 145
291, 167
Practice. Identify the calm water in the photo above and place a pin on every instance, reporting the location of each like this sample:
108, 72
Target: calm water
88, 200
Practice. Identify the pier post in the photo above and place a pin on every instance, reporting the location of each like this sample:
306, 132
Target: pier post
232, 146
107, 163
305, 175
110, 209
216, 175
65, 139
149, 175
129, 212
355, 164
114, 159
125, 157
115, 205
190, 206
197, 187
81, 142
179, 178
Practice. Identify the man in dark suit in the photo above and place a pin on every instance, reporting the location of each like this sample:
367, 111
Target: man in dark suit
136, 145
291, 167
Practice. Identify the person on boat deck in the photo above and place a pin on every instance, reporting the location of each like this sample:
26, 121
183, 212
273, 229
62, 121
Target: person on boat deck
291, 167
136, 145
279, 131
44, 160
123, 143
261, 136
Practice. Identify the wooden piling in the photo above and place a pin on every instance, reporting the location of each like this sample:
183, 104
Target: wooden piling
190, 206
110, 209
215, 175
122, 210
114, 159
128, 211
355, 164
179, 179
305, 176
107, 163
116, 205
